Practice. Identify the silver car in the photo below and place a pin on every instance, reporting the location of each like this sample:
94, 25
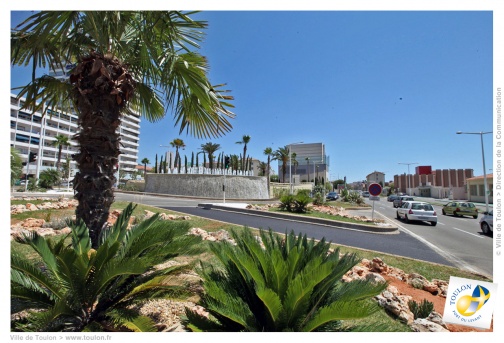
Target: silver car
417, 211
486, 222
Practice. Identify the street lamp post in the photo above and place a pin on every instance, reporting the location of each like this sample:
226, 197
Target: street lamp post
483, 157
409, 176
290, 165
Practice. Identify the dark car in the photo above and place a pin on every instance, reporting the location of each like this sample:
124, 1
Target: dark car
392, 197
400, 201
332, 196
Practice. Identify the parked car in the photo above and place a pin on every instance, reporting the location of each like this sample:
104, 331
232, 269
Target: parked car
400, 201
392, 197
332, 196
458, 208
486, 222
417, 211
365, 194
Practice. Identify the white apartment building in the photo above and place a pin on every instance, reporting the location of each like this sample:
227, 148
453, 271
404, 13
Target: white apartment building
310, 162
35, 133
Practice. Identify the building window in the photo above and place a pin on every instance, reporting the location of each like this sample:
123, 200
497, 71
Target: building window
481, 190
473, 190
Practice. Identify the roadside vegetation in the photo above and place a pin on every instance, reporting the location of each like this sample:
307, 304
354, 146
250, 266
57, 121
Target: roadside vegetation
33, 256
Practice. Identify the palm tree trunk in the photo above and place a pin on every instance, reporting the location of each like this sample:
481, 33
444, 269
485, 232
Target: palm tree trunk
99, 103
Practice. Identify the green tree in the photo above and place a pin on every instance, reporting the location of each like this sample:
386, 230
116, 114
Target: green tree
160, 164
177, 143
263, 167
245, 140
268, 152
210, 148
282, 155
292, 284
307, 159
60, 142
145, 162
16, 166
141, 61
156, 164
74, 287
48, 178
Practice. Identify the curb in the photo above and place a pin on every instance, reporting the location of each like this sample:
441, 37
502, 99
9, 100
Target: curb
293, 217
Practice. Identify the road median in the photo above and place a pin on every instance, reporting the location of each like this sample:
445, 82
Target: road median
238, 208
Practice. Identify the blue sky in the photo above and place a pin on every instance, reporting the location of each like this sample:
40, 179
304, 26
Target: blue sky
378, 88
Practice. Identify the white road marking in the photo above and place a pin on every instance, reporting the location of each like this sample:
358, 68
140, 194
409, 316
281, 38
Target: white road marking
469, 233
452, 258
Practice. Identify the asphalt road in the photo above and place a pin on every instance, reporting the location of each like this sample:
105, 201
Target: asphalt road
400, 244
455, 241
459, 239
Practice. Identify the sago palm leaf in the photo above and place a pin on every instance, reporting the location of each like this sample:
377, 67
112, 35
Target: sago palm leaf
132, 321
340, 311
272, 303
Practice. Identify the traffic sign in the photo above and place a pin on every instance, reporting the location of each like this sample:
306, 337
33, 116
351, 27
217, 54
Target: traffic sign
374, 198
375, 189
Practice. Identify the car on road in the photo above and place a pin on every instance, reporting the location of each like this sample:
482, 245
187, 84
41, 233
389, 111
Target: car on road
400, 201
392, 197
365, 194
459, 208
486, 222
332, 196
417, 211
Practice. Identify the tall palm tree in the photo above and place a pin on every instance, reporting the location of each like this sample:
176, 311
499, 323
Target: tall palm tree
268, 152
308, 168
177, 143
282, 154
210, 148
245, 140
294, 162
124, 62
145, 162
60, 142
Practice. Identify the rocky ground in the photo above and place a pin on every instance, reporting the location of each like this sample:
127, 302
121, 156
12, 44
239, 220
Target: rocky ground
402, 287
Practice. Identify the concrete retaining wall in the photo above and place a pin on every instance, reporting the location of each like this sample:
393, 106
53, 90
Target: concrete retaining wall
208, 186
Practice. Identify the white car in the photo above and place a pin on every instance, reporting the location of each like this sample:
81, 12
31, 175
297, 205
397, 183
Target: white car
486, 222
365, 194
417, 211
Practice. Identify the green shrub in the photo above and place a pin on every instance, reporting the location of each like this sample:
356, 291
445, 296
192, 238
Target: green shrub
288, 284
295, 203
301, 202
76, 288
421, 310
286, 202
48, 178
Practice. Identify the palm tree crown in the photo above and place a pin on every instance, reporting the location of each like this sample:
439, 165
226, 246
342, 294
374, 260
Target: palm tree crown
60, 142
145, 162
210, 148
124, 61
245, 140
282, 154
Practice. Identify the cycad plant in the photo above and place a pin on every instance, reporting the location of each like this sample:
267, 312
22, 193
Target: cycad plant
77, 288
288, 284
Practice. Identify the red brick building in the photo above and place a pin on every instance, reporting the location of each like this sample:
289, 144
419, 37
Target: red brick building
440, 183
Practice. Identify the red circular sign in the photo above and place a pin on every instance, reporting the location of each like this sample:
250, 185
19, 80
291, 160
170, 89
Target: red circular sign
375, 189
